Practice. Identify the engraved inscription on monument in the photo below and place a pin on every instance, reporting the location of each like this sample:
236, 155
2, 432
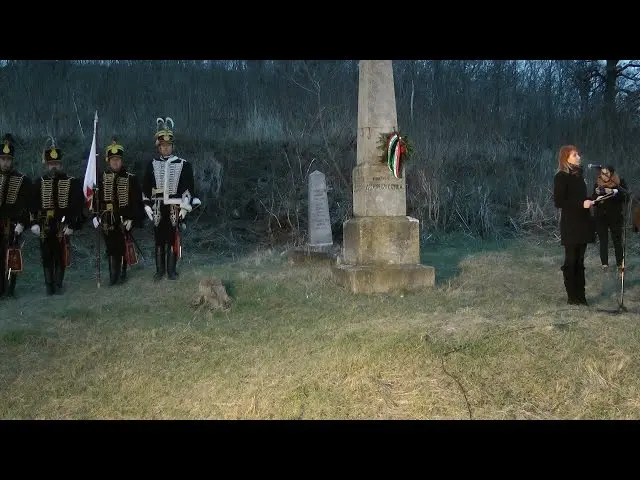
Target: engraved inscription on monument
319, 219
376, 192
378, 183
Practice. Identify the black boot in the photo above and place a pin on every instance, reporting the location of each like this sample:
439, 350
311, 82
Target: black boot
12, 286
114, 269
123, 272
160, 263
569, 285
59, 278
172, 261
48, 280
3, 282
579, 282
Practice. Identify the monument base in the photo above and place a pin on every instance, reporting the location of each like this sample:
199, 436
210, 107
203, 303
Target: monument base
384, 278
382, 254
381, 241
312, 254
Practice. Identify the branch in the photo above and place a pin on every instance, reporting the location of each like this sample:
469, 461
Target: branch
629, 65
595, 73
302, 86
633, 76
315, 82
628, 92
587, 74
270, 211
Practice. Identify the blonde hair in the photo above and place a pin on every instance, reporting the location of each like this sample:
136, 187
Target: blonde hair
563, 157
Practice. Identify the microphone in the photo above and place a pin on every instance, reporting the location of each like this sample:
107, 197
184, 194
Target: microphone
593, 165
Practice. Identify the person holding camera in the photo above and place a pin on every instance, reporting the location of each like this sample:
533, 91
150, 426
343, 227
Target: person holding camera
609, 213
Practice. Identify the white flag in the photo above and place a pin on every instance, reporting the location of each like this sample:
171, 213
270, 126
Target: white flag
90, 174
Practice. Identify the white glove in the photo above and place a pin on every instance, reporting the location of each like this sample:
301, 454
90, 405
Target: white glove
35, 229
147, 209
96, 222
67, 231
127, 224
195, 202
19, 228
185, 205
182, 214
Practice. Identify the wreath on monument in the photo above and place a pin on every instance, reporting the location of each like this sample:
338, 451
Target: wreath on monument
396, 150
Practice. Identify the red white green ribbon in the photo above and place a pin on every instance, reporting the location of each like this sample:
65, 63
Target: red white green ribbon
394, 154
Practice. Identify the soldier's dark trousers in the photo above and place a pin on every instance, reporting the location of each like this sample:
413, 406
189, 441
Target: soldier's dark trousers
166, 259
6, 285
604, 225
573, 273
52, 263
114, 240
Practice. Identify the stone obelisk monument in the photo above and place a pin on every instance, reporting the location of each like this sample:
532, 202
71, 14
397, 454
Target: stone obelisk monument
381, 244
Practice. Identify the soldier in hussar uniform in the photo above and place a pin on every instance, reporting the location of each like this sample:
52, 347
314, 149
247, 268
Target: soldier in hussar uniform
168, 196
14, 215
58, 201
119, 209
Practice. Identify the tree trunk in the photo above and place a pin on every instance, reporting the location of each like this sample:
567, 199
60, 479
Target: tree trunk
610, 80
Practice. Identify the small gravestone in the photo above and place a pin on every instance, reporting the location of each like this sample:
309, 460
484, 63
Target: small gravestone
320, 235
320, 242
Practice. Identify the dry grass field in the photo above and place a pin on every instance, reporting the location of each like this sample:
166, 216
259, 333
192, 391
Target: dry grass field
494, 339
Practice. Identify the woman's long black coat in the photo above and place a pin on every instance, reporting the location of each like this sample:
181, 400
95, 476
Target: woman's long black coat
576, 223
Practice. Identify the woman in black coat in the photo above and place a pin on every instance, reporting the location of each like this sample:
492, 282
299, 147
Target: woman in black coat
576, 226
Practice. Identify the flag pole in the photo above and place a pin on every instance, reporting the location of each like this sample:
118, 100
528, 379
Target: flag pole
96, 198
